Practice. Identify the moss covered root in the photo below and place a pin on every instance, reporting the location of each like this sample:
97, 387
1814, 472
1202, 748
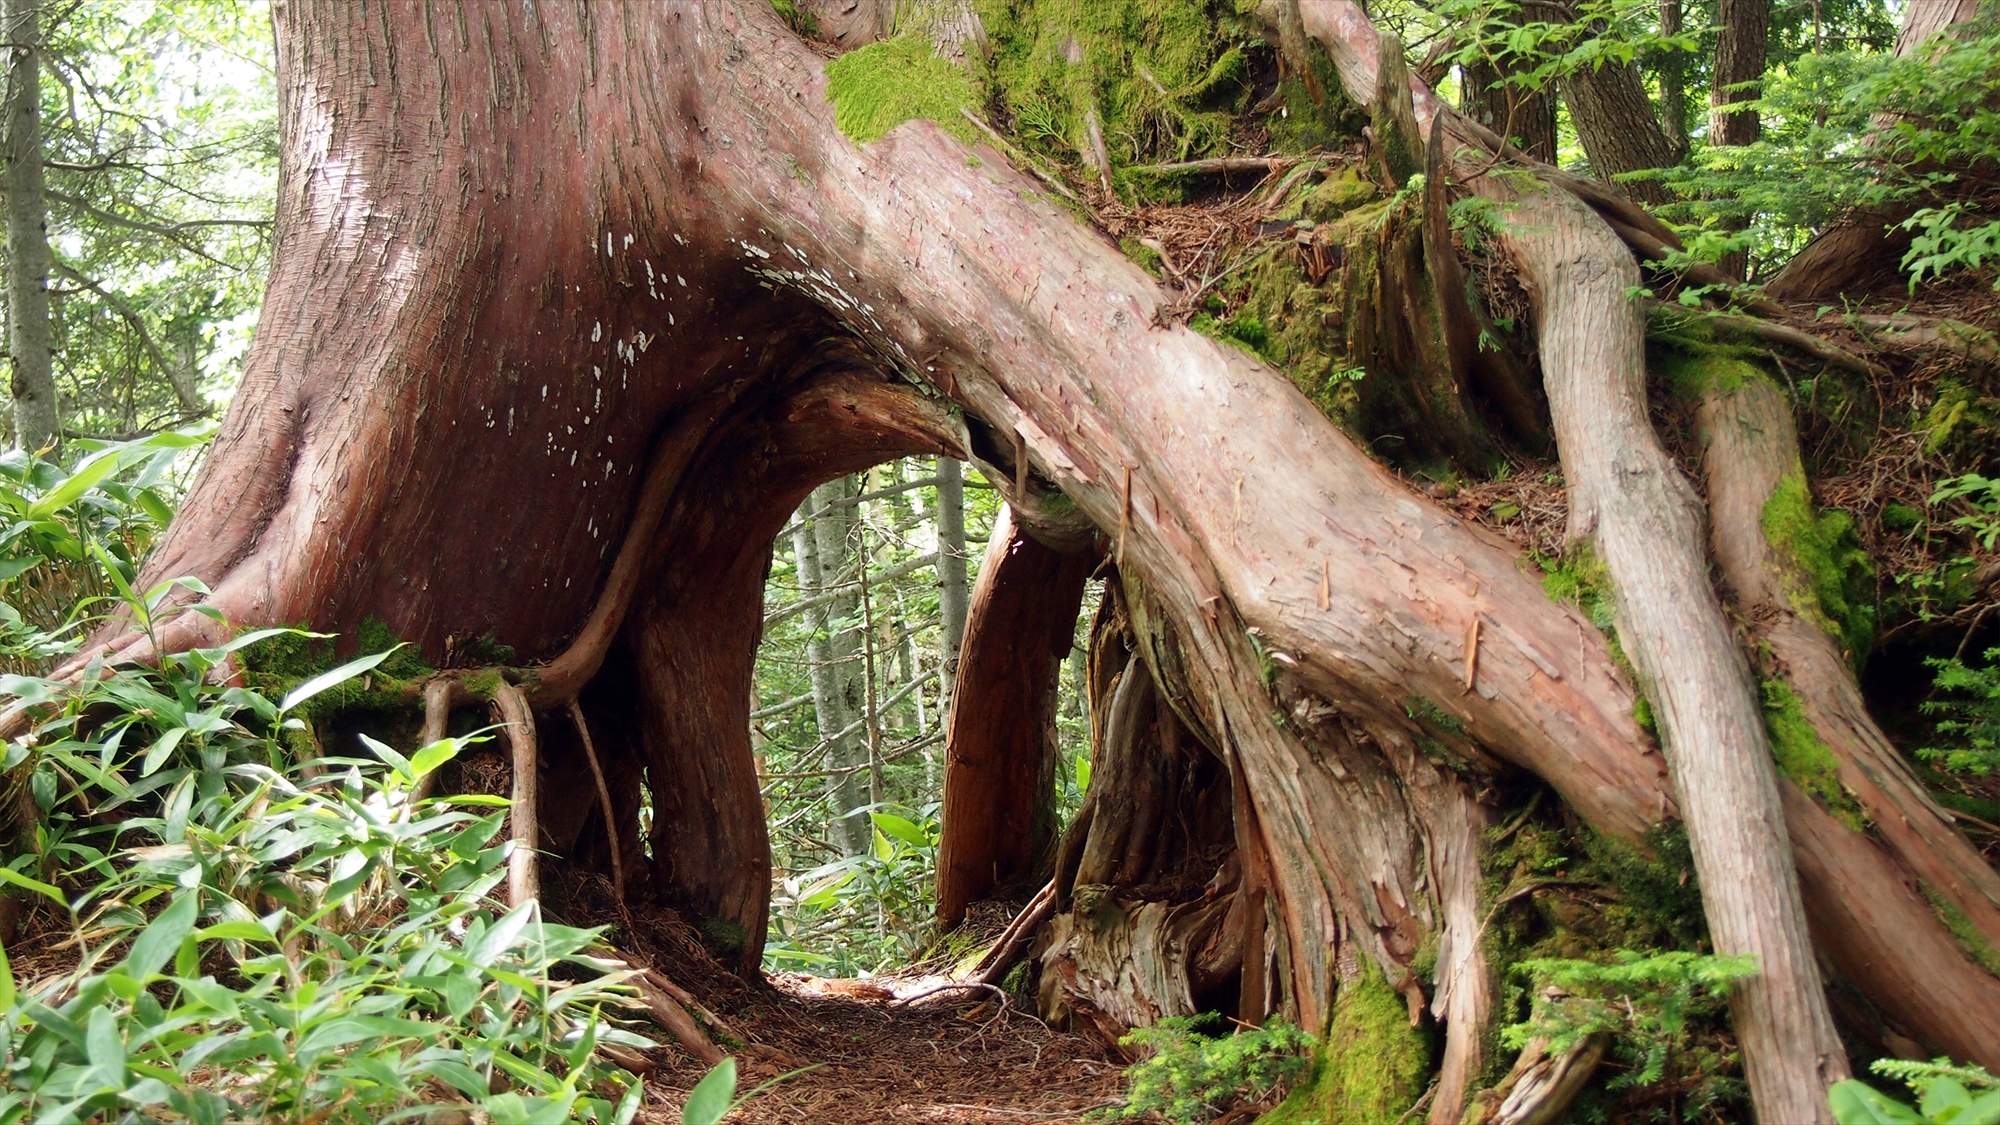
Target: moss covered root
1371, 1067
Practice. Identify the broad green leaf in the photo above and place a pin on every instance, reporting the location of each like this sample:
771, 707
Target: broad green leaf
1944, 1100
1984, 1110
86, 476
1857, 1103
388, 754
236, 931
901, 828
461, 992
6, 986
14, 568
501, 936
157, 754
333, 678
101, 1041
161, 939
709, 1100
36, 885
431, 757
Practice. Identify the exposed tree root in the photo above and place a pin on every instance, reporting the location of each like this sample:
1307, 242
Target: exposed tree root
604, 799
524, 882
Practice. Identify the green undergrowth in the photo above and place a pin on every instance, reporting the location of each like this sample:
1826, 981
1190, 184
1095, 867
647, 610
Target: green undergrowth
1166, 79
1200, 1067
1560, 894
1371, 1065
878, 87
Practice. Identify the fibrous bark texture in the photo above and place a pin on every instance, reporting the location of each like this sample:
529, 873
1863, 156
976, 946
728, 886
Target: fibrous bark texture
571, 401
1742, 27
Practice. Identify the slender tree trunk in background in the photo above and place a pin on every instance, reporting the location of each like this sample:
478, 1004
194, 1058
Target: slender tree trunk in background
1614, 119
1672, 70
36, 424
953, 593
1525, 117
1744, 26
185, 369
823, 543
1528, 118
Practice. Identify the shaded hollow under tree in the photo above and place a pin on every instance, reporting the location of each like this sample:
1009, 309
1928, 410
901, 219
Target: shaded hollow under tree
565, 377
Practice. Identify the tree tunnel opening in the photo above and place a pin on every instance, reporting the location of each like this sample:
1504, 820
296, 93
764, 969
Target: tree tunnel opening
865, 609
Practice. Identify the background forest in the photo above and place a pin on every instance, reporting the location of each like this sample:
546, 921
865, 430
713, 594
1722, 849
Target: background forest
140, 181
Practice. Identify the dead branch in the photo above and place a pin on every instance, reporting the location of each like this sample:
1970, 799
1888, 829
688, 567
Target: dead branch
1220, 164
1013, 945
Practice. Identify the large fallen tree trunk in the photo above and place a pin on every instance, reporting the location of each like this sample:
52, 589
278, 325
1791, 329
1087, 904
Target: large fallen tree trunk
563, 378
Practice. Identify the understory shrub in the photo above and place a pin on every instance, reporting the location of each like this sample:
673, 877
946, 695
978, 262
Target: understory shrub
263, 941
1193, 1077
1946, 1095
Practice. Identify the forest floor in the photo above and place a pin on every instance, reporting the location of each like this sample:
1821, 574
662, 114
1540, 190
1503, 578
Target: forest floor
955, 1057
890, 1049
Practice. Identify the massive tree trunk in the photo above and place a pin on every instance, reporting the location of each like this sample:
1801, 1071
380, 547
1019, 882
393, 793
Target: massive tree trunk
573, 305
36, 424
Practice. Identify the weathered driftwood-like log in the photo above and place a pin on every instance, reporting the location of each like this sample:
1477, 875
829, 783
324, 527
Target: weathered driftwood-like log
1541, 1085
1749, 452
1629, 500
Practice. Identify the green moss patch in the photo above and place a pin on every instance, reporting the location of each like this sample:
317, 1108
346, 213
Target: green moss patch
878, 87
1166, 79
1963, 931
1803, 757
1372, 1065
1829, 578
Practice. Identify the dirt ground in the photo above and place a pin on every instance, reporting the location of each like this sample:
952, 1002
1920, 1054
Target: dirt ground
892, 1050
951, 1057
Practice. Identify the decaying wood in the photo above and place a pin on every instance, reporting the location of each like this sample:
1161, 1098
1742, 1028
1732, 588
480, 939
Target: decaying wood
1013, 941
1928, 336
1541, 1085
1217, 164
668, 1012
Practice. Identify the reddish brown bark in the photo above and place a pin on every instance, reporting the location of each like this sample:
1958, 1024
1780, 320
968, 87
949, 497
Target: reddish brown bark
1000, 749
